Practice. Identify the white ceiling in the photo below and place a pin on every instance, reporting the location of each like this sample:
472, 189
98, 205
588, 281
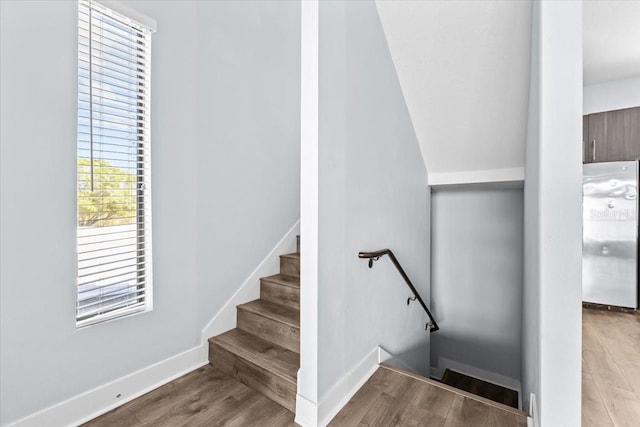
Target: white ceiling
464, 70
611, 43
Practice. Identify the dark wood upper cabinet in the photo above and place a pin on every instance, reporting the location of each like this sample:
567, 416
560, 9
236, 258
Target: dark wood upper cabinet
623, 135
611, 136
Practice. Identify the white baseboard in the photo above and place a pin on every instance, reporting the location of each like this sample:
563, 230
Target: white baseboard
225, 319
344, 390
310, 414
383, 355
86, 406
306, 412
481, 374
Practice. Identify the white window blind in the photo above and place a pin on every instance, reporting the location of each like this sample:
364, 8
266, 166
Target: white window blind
114, 187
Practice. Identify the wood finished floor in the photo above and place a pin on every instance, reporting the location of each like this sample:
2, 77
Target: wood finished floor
392, 399
610, 368
207, 397
204, 397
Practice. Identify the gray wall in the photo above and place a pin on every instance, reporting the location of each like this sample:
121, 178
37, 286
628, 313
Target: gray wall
372, 194
226, 184
248, 108
476, 279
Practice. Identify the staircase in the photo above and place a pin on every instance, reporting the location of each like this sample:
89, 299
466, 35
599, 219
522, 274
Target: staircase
263, 351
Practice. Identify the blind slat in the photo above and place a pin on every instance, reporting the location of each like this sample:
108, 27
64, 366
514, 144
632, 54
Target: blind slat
113, 151
131, 307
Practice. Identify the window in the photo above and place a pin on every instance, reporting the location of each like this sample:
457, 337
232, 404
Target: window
114, 268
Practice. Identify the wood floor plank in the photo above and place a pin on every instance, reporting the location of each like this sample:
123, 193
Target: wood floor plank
430, 399
623, 406
204, 397
594, 411
361, 402
263, 412
383, 412
392, 405
498, 418
224, 411
182, 389
604, 367
119, 417
420, 417
611, 368
631, 370
188, 411
393, 398
463, 393
466, 412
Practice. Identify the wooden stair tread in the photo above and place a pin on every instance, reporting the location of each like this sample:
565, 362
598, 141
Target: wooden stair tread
456, 390
262, 353
295, 255
284, 280
278, 312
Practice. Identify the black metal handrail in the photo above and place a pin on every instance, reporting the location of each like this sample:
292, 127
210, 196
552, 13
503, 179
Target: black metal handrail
432, 325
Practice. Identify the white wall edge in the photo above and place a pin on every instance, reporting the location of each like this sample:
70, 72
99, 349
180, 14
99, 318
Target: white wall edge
508, 175
534, 419
309, 106
481, 374
90, 404
225, 319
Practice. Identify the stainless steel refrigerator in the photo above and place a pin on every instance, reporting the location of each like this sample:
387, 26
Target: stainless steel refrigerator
610, 234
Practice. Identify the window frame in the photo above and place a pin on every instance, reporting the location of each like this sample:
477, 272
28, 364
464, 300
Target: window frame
141, 299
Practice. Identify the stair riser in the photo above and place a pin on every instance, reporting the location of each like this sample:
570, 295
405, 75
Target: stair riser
280, 294
298, 244
271, 330
270, 385
290, 266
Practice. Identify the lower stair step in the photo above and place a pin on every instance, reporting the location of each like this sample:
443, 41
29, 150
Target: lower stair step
481, 388
265, 367
290, 264
281, 289
277, 323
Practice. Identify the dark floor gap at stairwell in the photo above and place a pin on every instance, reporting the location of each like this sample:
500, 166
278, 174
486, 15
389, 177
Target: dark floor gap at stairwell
481, 388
